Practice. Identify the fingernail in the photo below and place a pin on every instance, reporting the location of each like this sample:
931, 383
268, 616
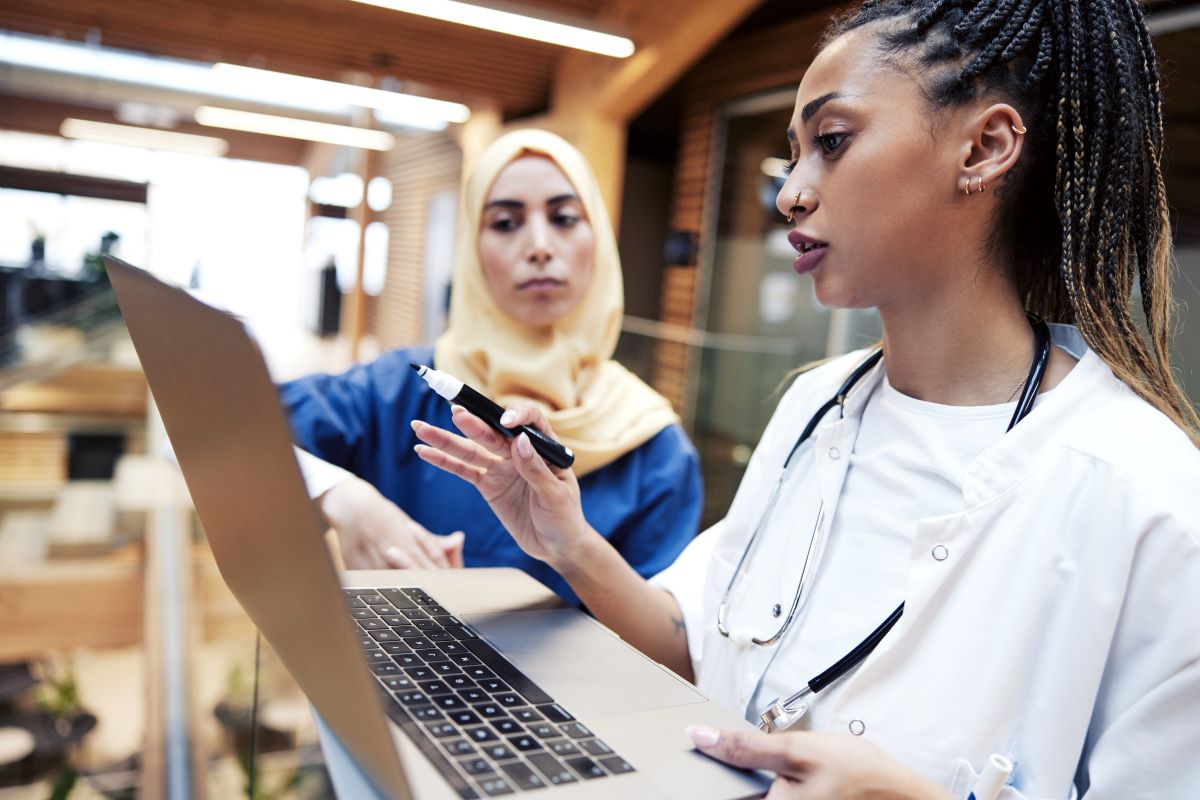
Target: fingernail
455, 410
392, 554
702, 736
524, 448
414, 424
508, 417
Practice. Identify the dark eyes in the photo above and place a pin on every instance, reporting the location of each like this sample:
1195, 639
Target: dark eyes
507, 224
830, 144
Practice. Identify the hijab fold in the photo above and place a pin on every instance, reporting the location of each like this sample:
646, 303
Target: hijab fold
596, 407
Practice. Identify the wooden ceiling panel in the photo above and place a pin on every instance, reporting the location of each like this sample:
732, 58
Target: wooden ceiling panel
320, 38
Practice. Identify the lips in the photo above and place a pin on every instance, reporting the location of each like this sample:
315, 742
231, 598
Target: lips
811, 251
541, 284
804, 244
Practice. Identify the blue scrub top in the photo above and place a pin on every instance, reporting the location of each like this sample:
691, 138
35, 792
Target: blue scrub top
646, 503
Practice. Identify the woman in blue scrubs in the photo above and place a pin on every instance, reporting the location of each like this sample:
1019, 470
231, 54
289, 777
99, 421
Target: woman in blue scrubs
535, 314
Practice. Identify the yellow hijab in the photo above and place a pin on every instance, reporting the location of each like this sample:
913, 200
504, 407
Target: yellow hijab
596, 407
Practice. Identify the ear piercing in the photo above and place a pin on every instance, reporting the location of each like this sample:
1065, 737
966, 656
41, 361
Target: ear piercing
1021, 131
980, 188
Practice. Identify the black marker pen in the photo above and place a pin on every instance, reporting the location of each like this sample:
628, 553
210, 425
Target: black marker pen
459, 393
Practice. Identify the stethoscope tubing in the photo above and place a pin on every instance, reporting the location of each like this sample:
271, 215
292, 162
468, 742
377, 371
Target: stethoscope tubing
780, 715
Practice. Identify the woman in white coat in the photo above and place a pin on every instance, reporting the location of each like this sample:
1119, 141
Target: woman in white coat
1031, 494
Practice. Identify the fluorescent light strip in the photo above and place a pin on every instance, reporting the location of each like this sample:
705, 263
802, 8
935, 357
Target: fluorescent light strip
201, 79
526, 27
293, 128
151, 138
271, 84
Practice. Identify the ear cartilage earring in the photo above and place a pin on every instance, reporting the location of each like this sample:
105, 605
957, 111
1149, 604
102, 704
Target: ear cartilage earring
1020, 131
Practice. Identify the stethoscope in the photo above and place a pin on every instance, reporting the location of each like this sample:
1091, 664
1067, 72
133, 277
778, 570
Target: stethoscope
782, 714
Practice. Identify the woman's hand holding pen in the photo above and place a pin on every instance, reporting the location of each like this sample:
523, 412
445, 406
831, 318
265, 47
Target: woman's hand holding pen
539, 505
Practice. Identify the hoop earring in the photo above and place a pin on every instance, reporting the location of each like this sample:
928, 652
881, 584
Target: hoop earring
1021, 131
982, 186
967, 187
791, 217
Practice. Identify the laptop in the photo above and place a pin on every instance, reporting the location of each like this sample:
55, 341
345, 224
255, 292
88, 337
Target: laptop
439, 684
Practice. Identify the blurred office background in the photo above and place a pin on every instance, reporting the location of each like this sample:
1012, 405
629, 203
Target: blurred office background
170, 134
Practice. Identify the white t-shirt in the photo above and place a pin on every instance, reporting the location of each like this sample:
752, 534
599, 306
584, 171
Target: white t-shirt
908, 462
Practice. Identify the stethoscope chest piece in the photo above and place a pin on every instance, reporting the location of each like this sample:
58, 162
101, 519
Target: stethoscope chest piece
779, 716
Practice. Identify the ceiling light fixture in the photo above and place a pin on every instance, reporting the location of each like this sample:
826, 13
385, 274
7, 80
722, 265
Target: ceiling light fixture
150, 138
293, 128
522, 25
297, 88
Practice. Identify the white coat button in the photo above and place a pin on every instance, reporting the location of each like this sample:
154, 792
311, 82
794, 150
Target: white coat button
857, 727
940, 553
776, 610
834, 453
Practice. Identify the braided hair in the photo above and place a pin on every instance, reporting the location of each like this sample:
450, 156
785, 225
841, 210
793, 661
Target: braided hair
1083, 218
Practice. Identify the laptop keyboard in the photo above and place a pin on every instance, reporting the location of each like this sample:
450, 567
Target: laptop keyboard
487, 728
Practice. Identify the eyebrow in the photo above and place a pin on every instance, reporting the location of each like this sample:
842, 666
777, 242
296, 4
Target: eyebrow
812, 108
517, 204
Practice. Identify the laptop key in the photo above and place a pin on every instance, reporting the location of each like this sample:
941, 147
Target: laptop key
479, 673
459, 681
584, 767
409, 661
426, 624
555, 713
552, 768
371, 625
482, 735
489, 710
449, 702
398, 598
499, 752
527, 715
544, 730
442, 730
405, 630
616, 765
398, 684
422, 673
506, 671
384, 635
378, 657
596, 747
460, 632
363, 613
432, 655
507, 725
438, 636
458, 747
434, 687
494, 787
445, 668
418, 643
433, 609
473, 695
395, 648
451, 648
523, 776
509, 699
385, 669
465, 717
576, 730
495, 685
524, 743
413, 698
564, 748
372, 599
356, 603
475, 766
465, 660
426, 713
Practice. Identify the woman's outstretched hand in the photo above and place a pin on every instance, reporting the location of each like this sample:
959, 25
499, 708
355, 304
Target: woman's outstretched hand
375, 533
817, 766
537, 503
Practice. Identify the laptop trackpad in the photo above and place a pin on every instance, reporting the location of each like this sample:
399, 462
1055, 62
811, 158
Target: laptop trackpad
580, 664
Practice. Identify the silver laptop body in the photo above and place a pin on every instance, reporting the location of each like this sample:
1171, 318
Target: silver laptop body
222, 414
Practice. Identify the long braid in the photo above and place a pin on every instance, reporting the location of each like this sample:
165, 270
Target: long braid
1086, 222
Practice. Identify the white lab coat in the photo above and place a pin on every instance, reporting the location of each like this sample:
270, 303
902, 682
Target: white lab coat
1058, 620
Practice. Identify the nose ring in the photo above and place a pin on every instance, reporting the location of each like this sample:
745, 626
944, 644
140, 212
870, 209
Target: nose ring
791, 217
